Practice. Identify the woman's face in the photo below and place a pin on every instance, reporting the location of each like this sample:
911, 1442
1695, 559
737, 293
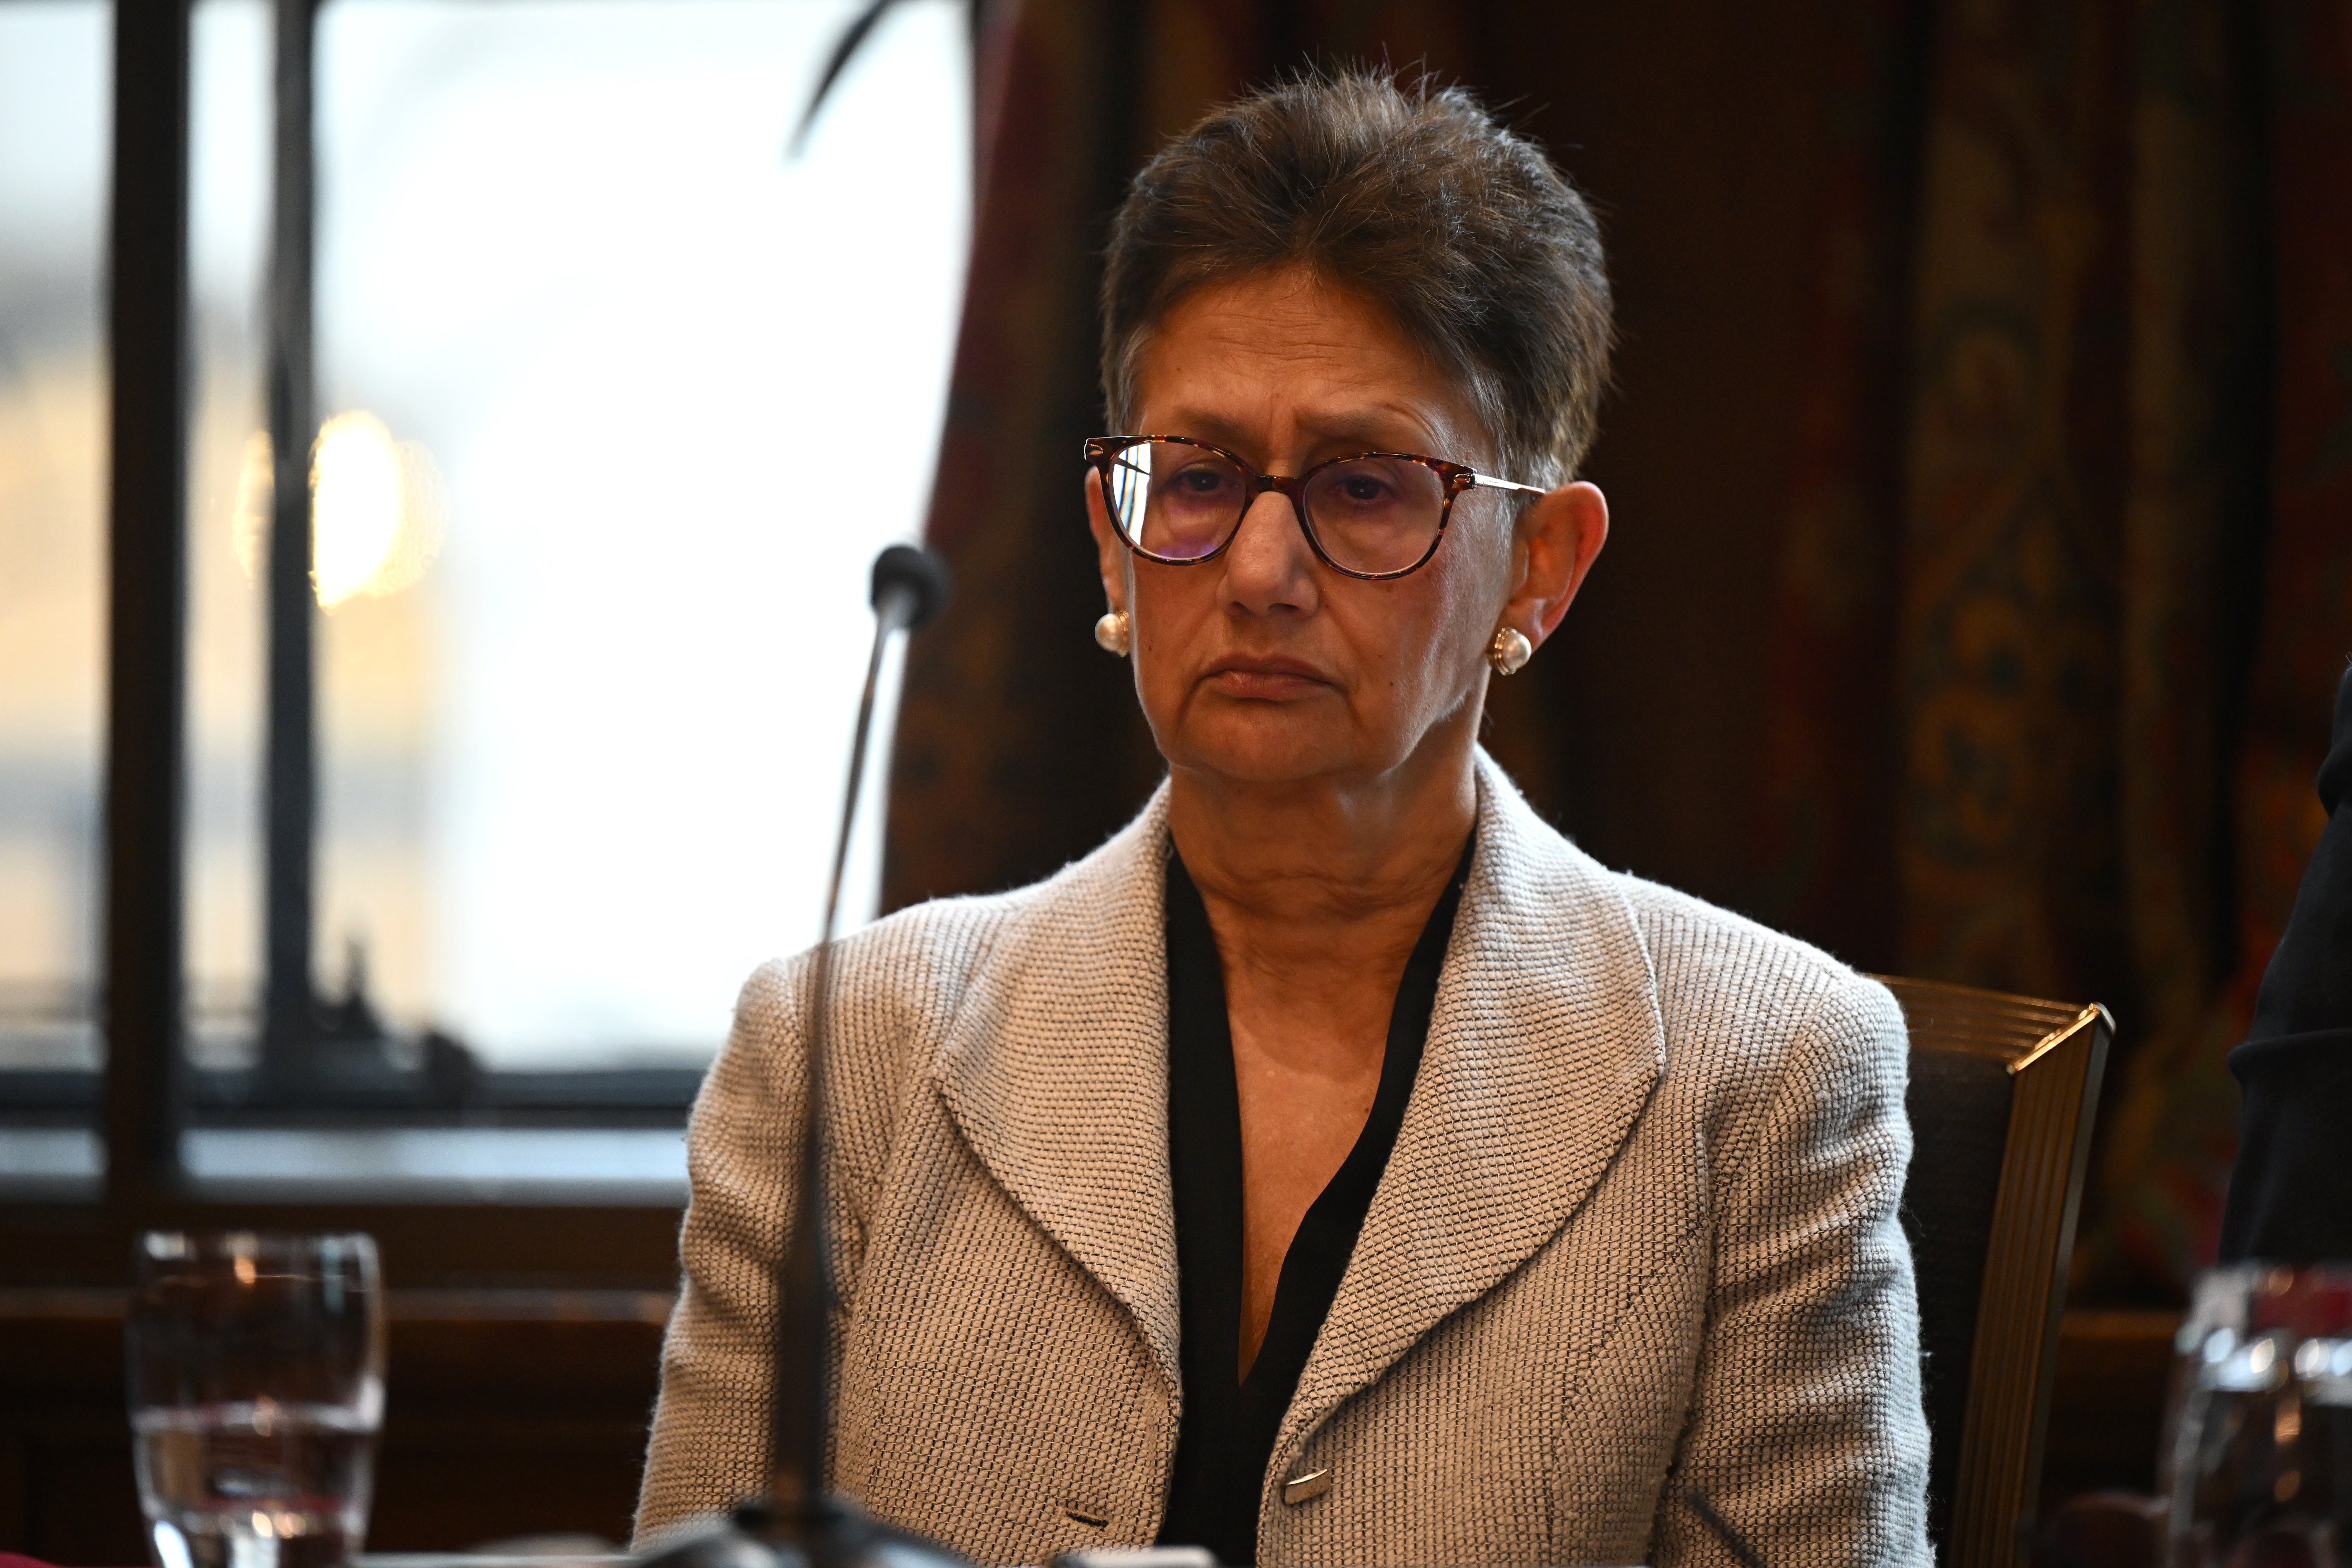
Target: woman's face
1265, 666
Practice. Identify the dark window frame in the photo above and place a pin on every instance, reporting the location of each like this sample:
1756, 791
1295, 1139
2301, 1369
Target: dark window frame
147, 1092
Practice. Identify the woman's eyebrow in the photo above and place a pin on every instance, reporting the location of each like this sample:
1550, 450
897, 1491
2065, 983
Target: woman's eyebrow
1202, 427
1389, 430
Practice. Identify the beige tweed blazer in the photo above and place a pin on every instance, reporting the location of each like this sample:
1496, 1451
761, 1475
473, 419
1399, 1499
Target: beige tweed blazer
1638, 1236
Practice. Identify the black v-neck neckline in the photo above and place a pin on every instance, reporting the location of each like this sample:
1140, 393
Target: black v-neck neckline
1229, 1424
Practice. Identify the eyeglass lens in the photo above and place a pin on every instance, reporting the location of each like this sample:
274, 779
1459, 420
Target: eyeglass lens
1183, 503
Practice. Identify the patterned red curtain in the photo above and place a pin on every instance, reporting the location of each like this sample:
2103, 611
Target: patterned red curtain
1983, 467
2247, 301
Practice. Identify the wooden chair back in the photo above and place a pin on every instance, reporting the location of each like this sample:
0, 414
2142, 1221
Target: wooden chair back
2003, 1089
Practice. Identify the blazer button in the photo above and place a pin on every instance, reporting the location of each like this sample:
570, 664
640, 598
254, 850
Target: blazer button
1307, 1486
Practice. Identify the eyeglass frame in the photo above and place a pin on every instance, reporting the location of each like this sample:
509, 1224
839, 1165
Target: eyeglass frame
1101, 451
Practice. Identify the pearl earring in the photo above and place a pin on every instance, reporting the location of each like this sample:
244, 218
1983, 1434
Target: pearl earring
1510, 651
1115, 633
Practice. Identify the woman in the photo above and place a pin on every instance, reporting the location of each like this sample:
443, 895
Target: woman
1337, 1167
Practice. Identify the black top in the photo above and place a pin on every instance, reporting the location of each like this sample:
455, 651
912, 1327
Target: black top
2291, 1193
1228, 1425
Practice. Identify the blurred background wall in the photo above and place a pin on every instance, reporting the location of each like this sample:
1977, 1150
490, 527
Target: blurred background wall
1981, 467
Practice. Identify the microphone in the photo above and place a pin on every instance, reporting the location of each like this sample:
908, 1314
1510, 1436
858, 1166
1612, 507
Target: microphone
911, 586
800, 1522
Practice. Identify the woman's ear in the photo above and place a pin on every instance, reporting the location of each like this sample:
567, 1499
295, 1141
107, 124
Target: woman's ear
1559, 536
1110, 554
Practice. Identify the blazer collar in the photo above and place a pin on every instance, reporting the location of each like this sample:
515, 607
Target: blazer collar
1543, 1048
1055, 1069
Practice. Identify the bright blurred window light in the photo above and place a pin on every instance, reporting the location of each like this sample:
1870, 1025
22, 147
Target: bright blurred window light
54, 56
621, 398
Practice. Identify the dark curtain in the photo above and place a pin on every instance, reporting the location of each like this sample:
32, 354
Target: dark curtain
1981, 464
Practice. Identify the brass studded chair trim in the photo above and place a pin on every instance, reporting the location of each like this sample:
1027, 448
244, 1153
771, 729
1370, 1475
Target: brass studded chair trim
2003, 1091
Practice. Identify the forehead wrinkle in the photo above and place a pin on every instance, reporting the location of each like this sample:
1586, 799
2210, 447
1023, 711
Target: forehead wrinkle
1386, 417
1380, 427
1243, 358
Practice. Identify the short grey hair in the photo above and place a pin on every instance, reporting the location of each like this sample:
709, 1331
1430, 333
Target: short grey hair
1412, 196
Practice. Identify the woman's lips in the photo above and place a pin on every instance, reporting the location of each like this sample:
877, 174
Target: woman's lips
1264, 679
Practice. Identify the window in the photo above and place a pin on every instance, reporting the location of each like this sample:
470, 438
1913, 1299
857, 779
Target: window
54, 97
617, 398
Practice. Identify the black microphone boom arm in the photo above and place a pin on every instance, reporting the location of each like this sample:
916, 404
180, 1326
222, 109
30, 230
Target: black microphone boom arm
799, 1522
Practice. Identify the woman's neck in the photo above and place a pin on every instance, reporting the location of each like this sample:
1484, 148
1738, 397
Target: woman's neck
1323, 881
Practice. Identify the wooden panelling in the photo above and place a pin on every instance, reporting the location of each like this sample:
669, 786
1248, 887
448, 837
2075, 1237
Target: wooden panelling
508, 1413
521, 1411
2107, 1403
491, 1245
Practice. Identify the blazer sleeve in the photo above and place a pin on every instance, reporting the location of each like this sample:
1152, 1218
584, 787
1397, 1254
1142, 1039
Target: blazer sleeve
1806, 1432
710, 1426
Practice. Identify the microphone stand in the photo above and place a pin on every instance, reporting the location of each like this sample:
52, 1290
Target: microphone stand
800, 1524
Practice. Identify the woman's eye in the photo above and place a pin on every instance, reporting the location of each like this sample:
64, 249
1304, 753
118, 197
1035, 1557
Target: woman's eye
1201, 481
1362, 488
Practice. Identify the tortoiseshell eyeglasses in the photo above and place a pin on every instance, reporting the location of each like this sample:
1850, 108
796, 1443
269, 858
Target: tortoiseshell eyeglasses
1375, 515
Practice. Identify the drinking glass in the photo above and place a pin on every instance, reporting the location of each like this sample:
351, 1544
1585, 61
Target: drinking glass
2257, 1461
257, 1391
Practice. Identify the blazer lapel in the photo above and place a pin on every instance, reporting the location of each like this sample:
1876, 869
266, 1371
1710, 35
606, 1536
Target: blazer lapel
1055, 1070
1543, 1049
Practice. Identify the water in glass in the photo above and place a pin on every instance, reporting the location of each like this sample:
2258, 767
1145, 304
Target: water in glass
257, 1388
248, 1484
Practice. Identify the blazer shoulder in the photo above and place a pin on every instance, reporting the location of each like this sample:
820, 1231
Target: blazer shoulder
896, 988
1682, 927
1770, 1036
910, 964
1754, 990
1724, 985
904, 976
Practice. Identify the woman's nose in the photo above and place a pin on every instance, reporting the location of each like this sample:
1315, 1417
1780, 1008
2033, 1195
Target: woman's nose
1269, 566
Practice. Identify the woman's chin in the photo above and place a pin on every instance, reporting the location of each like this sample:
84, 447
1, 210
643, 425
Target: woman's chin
1272, 750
